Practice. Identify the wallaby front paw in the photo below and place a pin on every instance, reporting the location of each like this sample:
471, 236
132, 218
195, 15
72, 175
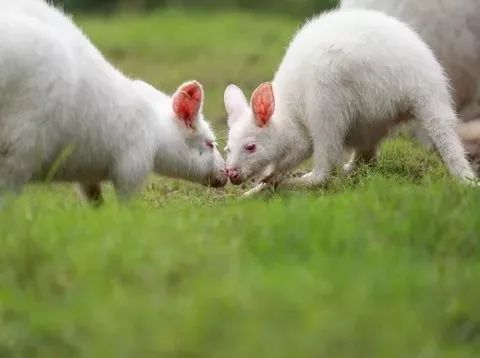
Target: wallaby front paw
260, 188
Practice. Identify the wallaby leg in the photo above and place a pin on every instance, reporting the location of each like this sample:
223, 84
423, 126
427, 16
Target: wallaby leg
128, 175
328, 130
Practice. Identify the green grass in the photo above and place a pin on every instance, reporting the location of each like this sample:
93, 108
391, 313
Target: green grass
385, 263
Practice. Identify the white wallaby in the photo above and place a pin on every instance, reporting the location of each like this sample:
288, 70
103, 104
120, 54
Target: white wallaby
452, 30
347, 77
62, 103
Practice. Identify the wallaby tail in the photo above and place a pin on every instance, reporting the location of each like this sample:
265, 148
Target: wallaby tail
440, 122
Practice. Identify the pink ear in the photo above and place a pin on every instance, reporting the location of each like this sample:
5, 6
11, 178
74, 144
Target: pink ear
187, 102
263, 104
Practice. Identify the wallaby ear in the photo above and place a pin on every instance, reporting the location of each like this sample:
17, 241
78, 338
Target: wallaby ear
187, 102
263, 104
235, 103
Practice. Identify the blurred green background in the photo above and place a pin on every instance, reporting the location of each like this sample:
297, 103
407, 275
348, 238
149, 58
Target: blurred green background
294, 7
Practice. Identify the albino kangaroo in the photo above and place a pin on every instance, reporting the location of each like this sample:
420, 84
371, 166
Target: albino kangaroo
347, 77
452, 30
59, 96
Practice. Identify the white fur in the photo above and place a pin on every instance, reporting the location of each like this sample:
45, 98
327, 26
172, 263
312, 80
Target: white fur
452, 29
346, 78
59, 95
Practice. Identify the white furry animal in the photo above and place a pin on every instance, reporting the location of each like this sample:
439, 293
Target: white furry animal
347, 77
59, 95
450, 28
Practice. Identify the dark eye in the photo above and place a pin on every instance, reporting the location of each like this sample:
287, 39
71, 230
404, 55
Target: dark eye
251, 147
210, 144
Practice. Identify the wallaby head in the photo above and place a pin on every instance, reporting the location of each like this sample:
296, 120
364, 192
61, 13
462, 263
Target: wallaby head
252, 143
191, 152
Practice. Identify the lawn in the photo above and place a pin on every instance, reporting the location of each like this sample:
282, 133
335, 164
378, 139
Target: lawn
384, 263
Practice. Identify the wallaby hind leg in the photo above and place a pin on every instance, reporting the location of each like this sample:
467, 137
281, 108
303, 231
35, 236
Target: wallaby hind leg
439, 120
